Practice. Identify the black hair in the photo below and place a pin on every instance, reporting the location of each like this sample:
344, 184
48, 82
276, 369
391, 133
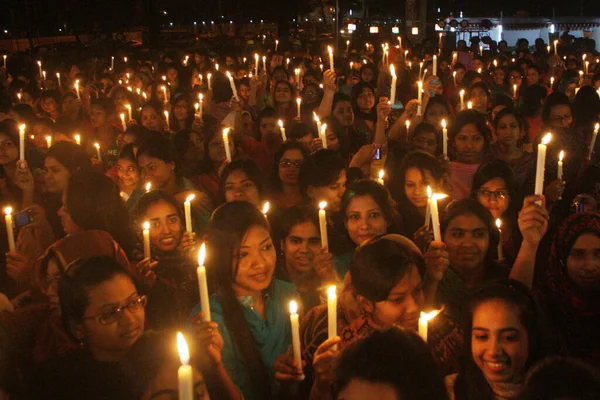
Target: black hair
321, 168
368, 187
376, 359
289, 145
267, 112
467, 117
532, 99
70, 155
338, 98
298, 131
250, 168
158, 146
294, 216
127, 153
586, 106
498, 169
554, 99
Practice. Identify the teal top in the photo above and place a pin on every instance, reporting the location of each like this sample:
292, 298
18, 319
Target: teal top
341, 263
272, 335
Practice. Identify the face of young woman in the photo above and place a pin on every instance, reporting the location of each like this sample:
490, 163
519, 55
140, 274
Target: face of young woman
500, 342
333, 142
57, 175
494, 196
70, 105
364, 219
332, 194
583, 263
435, 114
239, 187
480, 99
415, 186
289, 166
508, 130
151, 119
467, 241
532, 77
216, 149
155, 170
164, 386
366, 100
367, 75
98, 117
9, 152
166, 228
49, 105
128, 172
244, 92
343, 113
403, 305
301, 246
104, 299
426, 141
69, 226
498, 76
256, 262
180, 111
560, 116
469, 144
283, 94
358, 389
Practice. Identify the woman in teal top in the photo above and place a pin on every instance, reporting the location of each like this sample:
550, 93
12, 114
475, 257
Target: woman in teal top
249, 309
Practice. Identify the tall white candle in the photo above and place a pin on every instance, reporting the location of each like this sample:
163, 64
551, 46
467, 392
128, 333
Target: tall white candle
424, 323
428, 209
226, 144
499, 224
167, 120
77, 90
112, 63
444, 139
146, 234
4, 60
454, 77
185, 375
232, 84
515, 90
202, 283
419, 96
22, 142
200, 105
187, 206
209, 80
331, 312
331, 65
434, 65
323, 135
128, 107
323, 223
593, 142
318, 121
296, 335
298, 103
541, 164
297, 74
561, 156
123, 123
435, 218
556, 46
9, 228
393, 87
462, 99
420, 69
98, 152
39, 63
276, 44
282, 130
264, 59
164, 90
256, 63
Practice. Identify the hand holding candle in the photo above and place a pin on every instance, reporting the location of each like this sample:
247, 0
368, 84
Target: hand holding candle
232, 84
331, 65
185, 374
146, 234
187, 205
393, 87
296, 336
541, 164
22, 142
202, 283
323, 223
9, 228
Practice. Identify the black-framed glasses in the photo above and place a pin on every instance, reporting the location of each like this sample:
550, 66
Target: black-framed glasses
288, 163
498, 194
112, 315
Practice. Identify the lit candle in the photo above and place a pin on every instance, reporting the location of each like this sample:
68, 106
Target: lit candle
323, 223
226, 144
593, 142
58, 79
296, 335
434, 65
407, 128
167, 119
444, 139
209, 80
123, 123
265, 208
112, 63
184, 373
515, 90
125, 59
393, 87
380, 177
77, 90
556, 46
4, 60
148, 186
256, 63
202, 283
146, 234
282, 130
499, 224
561, 156
428, 209
481, 50
265, 64
22, 142
39, 63
419, 96
200, 105
49, 141
298, 103
98, 152
164, 90
330, 51
587, 66
435, 216
424, 323
9, 228
318, 121
217, 67
454, 77
128, 107
232, 84
297, 73
276, 44
469, 105
420, 69
541, 164
187, 207
551, 82
44, 75
323, 135
331, 312
77, 139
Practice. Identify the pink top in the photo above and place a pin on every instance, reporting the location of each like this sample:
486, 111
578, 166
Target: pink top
461, 179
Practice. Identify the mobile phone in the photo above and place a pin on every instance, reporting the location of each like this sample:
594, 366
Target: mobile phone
377, 155
22, 219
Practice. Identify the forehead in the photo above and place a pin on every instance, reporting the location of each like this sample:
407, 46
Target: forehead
237, 175
469, 129
409, 281
467, 222
160, 209
494, 314
293, 154
362, 203
304, 229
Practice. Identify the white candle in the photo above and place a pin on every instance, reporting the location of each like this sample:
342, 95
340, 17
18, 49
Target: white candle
541, 164
44, 75
323, 223
323, 135
556, 46
561, 156
393, 87
551, 82
587, 66
39, 63
469, 105
298, 103
226, 144
428, 209
515, 90
167, 119
265, 64
420, 69
185, 374
593, 142
331, 65
217, 67
4, 60
232, 84
282, 130
77, 90
200, 105
77, 139
49, 141
424, 323
19, 95
146, 234
58, 79
123, 123
296, 335
331, 312
499, 224
187, 206
9, 228
407, 128
125, 59
202, 283
380, 177
22, 142
98, 152
434, 65
318, 121
265, 209
112, 63
297, 73
209, 80
164, 90
444, 139
435, 217
419, 95
462, 99
256, 63
128, 107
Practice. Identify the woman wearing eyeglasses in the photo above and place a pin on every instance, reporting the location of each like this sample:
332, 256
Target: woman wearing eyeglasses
103, 310
285, 181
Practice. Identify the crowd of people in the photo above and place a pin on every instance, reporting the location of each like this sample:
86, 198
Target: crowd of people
117, 169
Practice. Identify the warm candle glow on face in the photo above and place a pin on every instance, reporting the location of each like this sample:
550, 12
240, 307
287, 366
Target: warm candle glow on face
546, 139
146, 225
266, 207
561, 155
322, 205
293, 307
182, 348
202, 254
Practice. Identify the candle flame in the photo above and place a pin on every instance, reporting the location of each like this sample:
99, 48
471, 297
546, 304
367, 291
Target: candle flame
225, 132
201, 97
322, 205
190, 197
266, 207
293, 307
462, 92
280, 123
381, 174
228, 74
182, 348
323, 129
407, 123
128, 106
316, 117
8, 210
546, 138
329, 50
146, 225
439, 196
597, 127
392, 70
454, 74
429, 192
561, 155
298, 100
444, 123
430, 315
77, 139
498, 223
332, 292
202, 254
469, 105
97, 145
148, 186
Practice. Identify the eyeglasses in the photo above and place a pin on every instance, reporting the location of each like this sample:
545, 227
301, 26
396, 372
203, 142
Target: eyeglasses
560, 118
498, 194
288, 163
113, 314
513, 77
366, 95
